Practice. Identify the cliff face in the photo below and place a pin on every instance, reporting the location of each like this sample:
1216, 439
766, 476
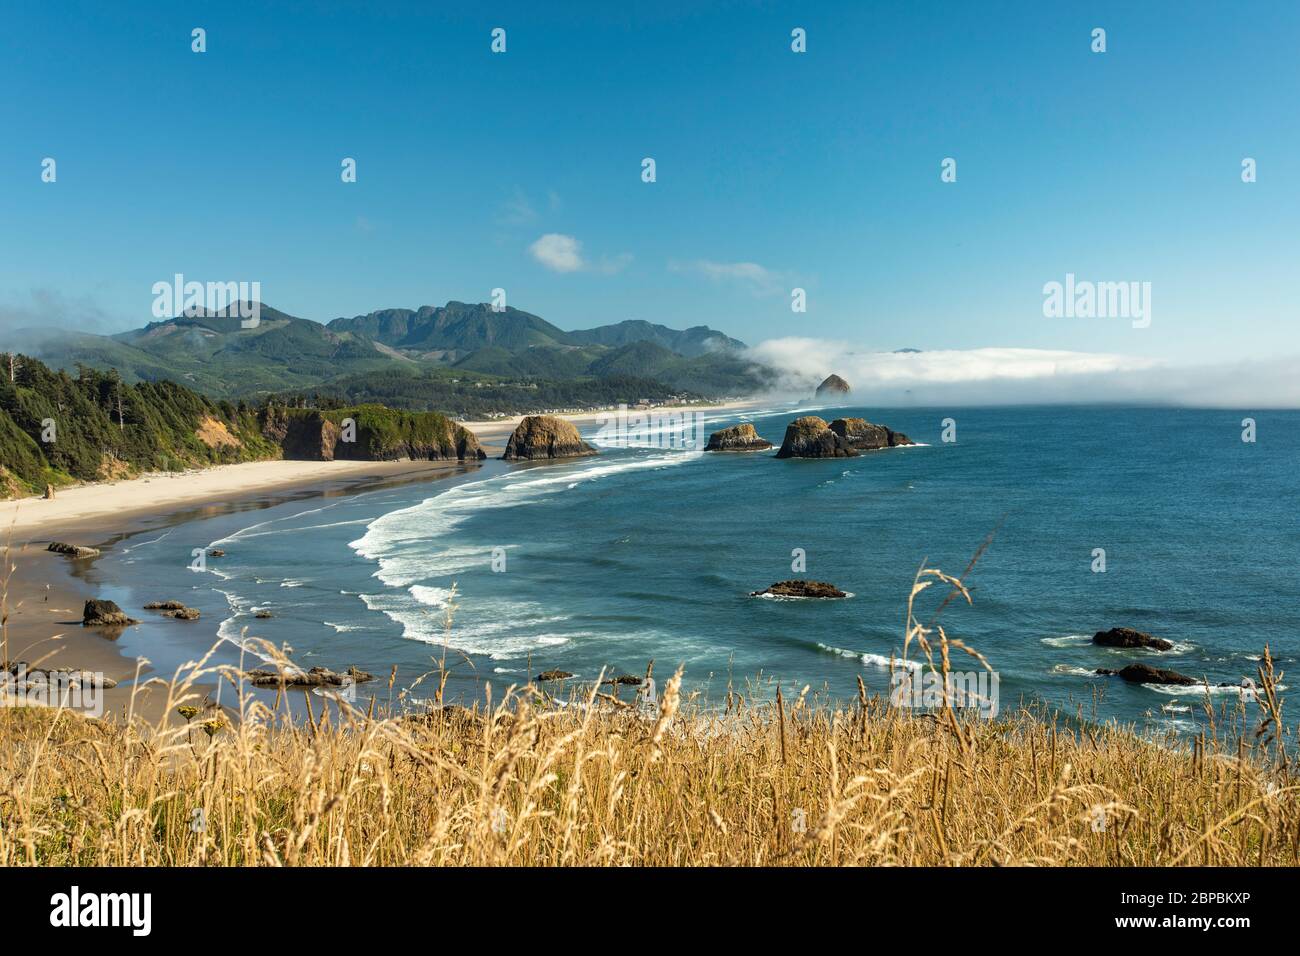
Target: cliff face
737, 438
373, 434
832, 387
866, 436
811, 437
545, 436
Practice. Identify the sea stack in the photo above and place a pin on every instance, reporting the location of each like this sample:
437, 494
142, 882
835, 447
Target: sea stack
866, 436
737, 438
545, 436
833, 387
811, 437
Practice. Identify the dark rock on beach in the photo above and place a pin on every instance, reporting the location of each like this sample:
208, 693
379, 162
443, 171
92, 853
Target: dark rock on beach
811, 437
98, 613
833, 387
737, 438
1146, 674
807, 589
545, 436
866, 436
316, 677
72, 550
1128, 637
70, 677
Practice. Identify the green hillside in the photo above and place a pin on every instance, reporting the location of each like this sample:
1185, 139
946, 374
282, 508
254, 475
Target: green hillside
105, 427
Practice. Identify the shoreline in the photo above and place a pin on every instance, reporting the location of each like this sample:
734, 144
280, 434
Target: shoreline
44, 592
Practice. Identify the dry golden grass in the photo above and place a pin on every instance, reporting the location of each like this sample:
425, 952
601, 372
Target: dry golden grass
532, 780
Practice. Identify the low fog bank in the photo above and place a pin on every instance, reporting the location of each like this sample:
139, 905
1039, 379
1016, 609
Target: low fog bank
1013, 376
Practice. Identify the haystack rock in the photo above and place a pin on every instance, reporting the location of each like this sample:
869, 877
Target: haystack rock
811, 437
737, 438
866, 436
1128, 637
545, 436
833, 387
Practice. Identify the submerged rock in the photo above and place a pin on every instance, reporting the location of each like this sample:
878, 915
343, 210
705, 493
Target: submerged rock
553, 675
1146, 674
833, 386
545, 436
799, 588
811, 437
98, 613
216, 553
183, 613
867, 436
263, 615
72, 550
164, 606
316, 677
1128, 637
737, 438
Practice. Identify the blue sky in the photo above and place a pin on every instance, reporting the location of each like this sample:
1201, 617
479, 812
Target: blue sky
818, 170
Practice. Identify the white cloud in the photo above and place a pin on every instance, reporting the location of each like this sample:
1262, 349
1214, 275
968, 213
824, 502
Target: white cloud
1020, 376
558, 252
759, 279
561, 253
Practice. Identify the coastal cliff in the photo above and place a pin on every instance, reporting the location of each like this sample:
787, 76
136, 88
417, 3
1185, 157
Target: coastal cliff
368, 433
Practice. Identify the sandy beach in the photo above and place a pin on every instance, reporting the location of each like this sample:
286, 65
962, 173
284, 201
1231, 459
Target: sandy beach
44, 592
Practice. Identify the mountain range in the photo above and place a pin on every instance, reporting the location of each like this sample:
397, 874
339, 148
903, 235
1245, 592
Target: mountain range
459, 344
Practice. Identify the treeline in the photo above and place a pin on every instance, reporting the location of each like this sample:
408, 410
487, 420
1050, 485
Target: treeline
480, 399
56, 428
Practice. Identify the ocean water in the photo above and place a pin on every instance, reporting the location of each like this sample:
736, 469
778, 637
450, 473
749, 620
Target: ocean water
651, 554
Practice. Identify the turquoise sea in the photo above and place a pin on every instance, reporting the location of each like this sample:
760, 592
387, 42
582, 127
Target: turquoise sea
651, 553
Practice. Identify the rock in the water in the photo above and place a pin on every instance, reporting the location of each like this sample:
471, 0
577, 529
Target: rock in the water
866, 436
833, 387
164, 606
183, 613
316, 677
737, 438
811, 437
1128, 637
807, 589
216, 553
72, 550
1146, 674
98, 613
629, 680
553, 675
263, 615
545, 436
